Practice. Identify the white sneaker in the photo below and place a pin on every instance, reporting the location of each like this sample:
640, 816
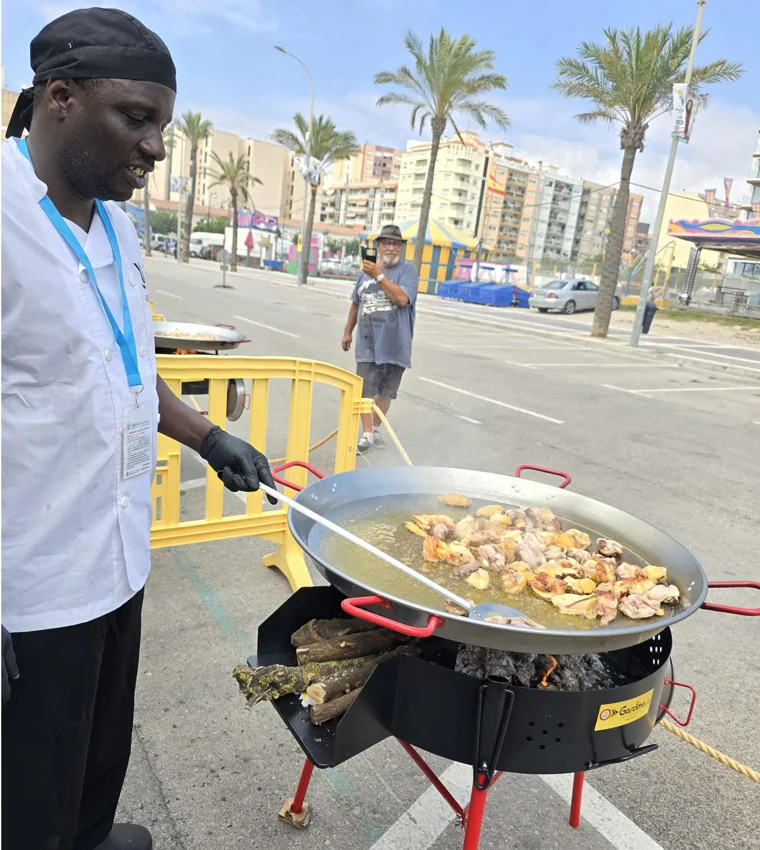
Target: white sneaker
377, 440
364, 444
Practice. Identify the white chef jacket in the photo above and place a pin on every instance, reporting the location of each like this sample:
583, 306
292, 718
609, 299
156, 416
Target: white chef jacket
75, 534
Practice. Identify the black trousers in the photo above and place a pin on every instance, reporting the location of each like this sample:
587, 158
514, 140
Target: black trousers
67, 731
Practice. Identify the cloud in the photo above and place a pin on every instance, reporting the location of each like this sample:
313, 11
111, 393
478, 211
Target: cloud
186, 17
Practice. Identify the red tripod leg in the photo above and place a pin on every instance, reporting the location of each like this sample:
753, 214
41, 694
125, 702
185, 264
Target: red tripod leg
475, 812
296, 811
575, 803
303, 785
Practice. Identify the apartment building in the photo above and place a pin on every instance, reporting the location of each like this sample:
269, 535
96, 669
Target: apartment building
508, 204
369, 205
554, 220
595, 215
269, 163
373, 163
457, 186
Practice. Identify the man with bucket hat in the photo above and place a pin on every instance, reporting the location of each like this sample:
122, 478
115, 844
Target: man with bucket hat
382, 306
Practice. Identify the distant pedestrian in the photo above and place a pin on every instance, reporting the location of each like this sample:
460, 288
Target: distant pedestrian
383, 307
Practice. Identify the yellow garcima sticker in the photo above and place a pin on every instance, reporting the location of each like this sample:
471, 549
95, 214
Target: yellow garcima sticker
619, 713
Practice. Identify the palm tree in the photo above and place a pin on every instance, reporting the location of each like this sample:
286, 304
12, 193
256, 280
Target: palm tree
195, 128
629, 80
233, 174
448, 78
327, 145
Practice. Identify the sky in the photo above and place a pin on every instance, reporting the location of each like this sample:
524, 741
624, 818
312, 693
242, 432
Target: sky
227, 69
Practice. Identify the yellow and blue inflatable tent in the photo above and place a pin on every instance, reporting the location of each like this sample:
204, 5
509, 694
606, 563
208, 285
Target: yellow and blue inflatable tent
443, 245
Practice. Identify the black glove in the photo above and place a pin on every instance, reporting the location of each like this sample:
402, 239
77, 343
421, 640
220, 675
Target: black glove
237, 463
10, 668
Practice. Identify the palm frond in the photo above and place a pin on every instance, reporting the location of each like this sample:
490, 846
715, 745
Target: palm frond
448, 75
629, 76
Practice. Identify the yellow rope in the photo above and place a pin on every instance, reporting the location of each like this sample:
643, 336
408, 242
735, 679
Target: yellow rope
316, 445
392, 434
712, 752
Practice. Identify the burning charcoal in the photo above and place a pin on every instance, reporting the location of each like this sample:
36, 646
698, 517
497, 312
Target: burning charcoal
569, 680
525, 669
471, 660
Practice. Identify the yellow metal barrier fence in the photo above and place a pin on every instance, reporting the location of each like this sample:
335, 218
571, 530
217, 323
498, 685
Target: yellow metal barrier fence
271, 524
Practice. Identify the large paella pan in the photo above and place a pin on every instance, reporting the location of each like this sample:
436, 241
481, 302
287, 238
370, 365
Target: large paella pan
379, 497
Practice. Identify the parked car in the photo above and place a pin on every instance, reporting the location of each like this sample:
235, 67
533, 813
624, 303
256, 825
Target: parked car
567, 296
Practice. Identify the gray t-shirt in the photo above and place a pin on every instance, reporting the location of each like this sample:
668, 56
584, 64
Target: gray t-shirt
385, 330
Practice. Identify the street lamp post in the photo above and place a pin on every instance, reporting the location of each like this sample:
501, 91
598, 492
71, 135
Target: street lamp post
303, 264
649, 268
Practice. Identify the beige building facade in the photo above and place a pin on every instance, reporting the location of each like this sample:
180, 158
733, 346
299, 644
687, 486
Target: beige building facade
457, 184
270, 163
372, 164
597, 203
367, 205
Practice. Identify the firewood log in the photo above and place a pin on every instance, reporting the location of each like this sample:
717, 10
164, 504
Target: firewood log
334, 708
316, 630
276, 680
350, 678
349, 646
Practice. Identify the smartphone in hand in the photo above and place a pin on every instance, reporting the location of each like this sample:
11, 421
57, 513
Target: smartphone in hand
369, 254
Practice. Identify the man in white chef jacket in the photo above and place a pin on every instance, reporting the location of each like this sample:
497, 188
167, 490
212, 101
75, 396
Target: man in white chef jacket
81, 403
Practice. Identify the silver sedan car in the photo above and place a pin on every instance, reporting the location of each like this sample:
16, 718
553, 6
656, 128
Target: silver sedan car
567, 296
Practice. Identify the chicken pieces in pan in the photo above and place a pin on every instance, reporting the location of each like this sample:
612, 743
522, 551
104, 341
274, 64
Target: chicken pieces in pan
505, 551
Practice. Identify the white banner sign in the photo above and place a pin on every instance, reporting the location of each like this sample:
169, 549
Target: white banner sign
309, 172
686, 104
184, 182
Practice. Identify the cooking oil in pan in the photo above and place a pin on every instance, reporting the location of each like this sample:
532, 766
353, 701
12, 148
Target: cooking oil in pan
381, 523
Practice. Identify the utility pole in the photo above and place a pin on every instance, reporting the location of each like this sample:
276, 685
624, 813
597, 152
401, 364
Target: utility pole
303, 264
649, 269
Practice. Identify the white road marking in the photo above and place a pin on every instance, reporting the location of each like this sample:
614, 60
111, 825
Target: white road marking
619, 389
694, 390
606, 365
713, 362
420, 826
618, 829
493, 401
423, 823
517, 363
712, 353
645, 392
478, 422
171, 294
268, 327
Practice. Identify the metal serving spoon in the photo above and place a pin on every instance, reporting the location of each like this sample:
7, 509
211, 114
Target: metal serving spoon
476, 612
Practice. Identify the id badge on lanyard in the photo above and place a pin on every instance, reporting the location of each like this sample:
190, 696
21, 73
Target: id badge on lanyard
137, 436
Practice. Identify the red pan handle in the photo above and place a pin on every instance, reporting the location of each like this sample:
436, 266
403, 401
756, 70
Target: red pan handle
353, 607
545, 469
284, 482
732, 609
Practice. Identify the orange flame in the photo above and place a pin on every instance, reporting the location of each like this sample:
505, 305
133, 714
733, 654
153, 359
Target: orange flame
545, 681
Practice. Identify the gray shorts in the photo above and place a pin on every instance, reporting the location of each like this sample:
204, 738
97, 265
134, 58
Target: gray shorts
380, 379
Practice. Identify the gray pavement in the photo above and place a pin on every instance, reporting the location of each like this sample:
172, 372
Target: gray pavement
673, 444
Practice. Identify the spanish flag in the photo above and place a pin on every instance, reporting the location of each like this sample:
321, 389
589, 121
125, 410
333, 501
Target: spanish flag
495, 187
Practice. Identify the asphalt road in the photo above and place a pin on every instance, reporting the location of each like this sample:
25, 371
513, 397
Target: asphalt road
673, 445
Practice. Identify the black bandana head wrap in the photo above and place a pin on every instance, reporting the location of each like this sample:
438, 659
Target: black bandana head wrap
90, 44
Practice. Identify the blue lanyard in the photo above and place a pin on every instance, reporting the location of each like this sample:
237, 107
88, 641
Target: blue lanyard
125, 339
